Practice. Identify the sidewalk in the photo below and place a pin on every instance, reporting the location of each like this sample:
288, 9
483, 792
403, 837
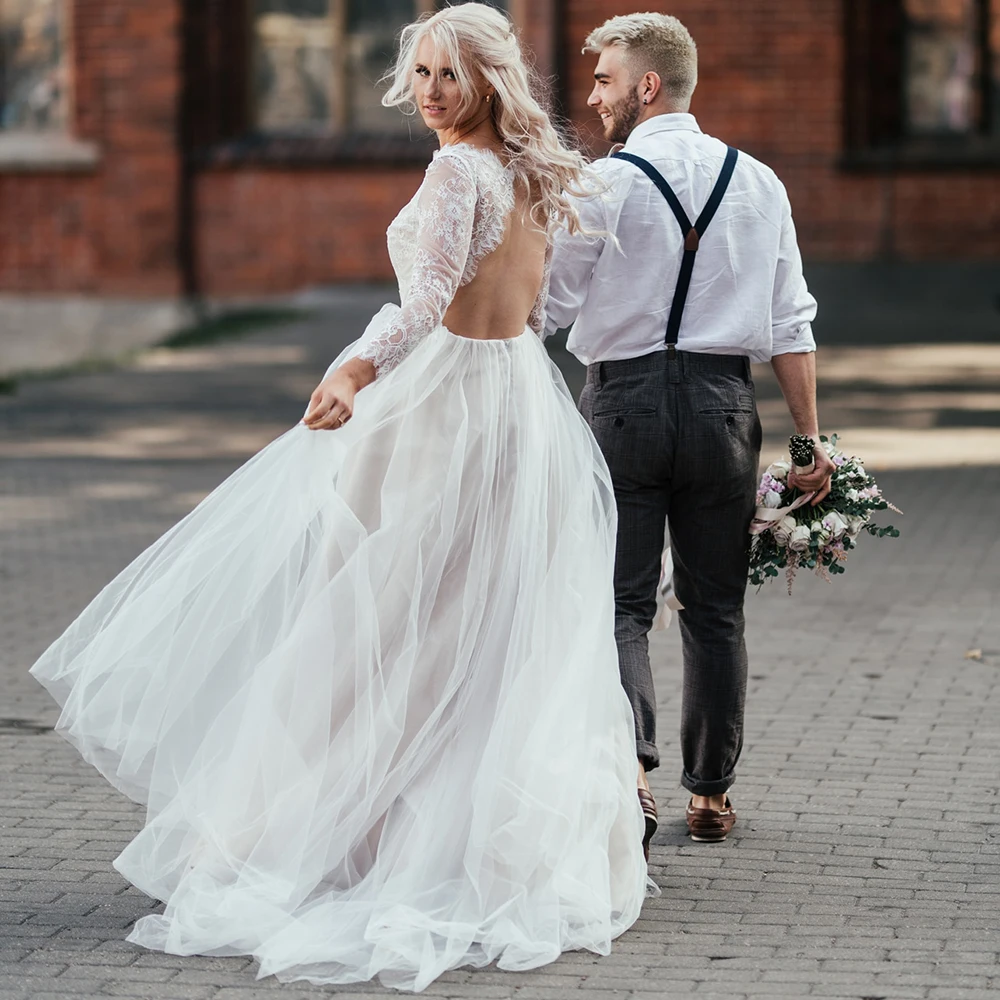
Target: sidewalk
866, 862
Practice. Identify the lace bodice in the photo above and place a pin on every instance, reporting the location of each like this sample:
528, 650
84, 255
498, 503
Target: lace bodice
457, 217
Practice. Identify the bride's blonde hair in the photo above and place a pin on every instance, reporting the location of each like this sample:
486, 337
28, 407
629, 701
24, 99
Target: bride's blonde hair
473, 38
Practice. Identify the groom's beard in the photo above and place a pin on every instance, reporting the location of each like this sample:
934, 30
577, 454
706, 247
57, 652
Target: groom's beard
624, 116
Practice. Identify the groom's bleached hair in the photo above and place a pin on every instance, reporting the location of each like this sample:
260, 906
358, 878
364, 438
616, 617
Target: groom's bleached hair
652, 43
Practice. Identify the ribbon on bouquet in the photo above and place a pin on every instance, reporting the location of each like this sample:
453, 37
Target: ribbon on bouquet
764, 517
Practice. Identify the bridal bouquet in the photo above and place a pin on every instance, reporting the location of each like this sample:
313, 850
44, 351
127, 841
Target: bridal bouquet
789, 534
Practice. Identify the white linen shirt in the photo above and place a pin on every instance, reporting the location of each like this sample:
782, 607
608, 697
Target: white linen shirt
747, 295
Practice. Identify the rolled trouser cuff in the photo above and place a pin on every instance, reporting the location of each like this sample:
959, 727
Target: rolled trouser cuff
718, 787
648, 754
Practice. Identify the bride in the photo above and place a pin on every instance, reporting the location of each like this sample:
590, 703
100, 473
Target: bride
368, 689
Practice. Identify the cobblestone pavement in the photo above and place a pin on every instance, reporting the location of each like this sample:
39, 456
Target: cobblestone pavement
866, 862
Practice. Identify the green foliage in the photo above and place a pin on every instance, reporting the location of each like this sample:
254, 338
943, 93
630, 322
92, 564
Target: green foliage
230, 325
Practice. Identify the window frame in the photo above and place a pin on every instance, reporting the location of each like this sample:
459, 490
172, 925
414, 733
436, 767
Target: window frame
52, 150
221, 111
874, 101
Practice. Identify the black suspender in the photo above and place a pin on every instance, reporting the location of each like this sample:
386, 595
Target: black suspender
692, 234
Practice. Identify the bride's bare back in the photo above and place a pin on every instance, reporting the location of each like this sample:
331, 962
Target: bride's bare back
469, 258
499, 300
467, 253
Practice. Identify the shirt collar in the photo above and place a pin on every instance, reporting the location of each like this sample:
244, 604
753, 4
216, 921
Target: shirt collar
675, 122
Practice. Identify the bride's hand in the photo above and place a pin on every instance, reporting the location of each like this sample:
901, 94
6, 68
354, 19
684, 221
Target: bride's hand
332, 403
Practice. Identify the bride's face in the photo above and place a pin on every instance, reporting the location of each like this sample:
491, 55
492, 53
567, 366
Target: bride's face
435, 89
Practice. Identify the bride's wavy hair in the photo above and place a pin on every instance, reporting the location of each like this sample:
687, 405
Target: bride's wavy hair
474, 39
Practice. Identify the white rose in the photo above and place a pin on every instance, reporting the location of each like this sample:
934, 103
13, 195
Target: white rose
782, 531
779, 470
854, 525
835, 524
820, 531
772, 499
853, 496
798, 540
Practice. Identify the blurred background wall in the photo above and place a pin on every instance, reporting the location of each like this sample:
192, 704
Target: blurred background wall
159, 153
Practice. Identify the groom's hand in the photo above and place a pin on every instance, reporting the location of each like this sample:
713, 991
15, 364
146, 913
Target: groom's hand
796, 374
817, 481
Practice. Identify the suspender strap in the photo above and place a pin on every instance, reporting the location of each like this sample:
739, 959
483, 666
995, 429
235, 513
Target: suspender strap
692, 233
660, 181
725, 175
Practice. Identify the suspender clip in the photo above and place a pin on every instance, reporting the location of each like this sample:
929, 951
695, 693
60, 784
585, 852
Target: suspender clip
671, 352
691, 240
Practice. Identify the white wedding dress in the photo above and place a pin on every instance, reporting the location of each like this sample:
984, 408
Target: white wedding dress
368, 689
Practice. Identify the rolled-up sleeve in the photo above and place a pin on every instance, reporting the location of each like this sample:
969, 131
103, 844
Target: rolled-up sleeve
792, 307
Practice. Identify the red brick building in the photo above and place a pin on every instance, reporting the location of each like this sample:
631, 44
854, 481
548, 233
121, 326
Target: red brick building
151, 151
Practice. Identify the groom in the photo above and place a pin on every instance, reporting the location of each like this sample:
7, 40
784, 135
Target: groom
667, 315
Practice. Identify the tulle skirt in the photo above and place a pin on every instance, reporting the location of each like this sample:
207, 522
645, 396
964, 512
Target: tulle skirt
368, 689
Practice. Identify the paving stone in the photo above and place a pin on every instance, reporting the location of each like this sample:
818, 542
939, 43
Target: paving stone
160, 991
866, 860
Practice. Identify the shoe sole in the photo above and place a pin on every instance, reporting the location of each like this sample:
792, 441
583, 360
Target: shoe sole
709, 840
652, 826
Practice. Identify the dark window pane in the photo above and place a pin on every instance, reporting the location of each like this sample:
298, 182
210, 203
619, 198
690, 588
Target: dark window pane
33, 71
293, 54
941, 66
318, 63
994, 82
503, 5
374, 27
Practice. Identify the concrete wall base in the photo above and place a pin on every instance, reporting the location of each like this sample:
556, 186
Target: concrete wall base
39, 333
898, 302
878, 302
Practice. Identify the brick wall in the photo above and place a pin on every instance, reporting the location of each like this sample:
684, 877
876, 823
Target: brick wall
771, 83
270, 230
112, 230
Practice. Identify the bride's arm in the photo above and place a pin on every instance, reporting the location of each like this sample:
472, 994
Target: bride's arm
446, 206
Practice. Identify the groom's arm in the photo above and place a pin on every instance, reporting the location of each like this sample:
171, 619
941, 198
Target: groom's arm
794, 351
792, 306
796, 374
573, 261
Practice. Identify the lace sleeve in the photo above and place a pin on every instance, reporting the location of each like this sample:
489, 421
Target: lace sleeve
446, 208
537, 318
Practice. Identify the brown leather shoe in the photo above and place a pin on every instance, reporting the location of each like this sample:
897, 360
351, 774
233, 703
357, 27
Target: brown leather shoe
651, 816
710, 825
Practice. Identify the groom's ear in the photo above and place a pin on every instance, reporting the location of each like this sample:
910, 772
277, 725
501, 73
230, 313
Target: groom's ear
649, 87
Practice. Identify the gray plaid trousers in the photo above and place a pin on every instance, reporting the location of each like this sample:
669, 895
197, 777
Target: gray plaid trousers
681, 436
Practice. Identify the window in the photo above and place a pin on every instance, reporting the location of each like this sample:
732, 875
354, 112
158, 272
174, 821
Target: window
941, 66
923, 79
33, 66
296, 82
317, 63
